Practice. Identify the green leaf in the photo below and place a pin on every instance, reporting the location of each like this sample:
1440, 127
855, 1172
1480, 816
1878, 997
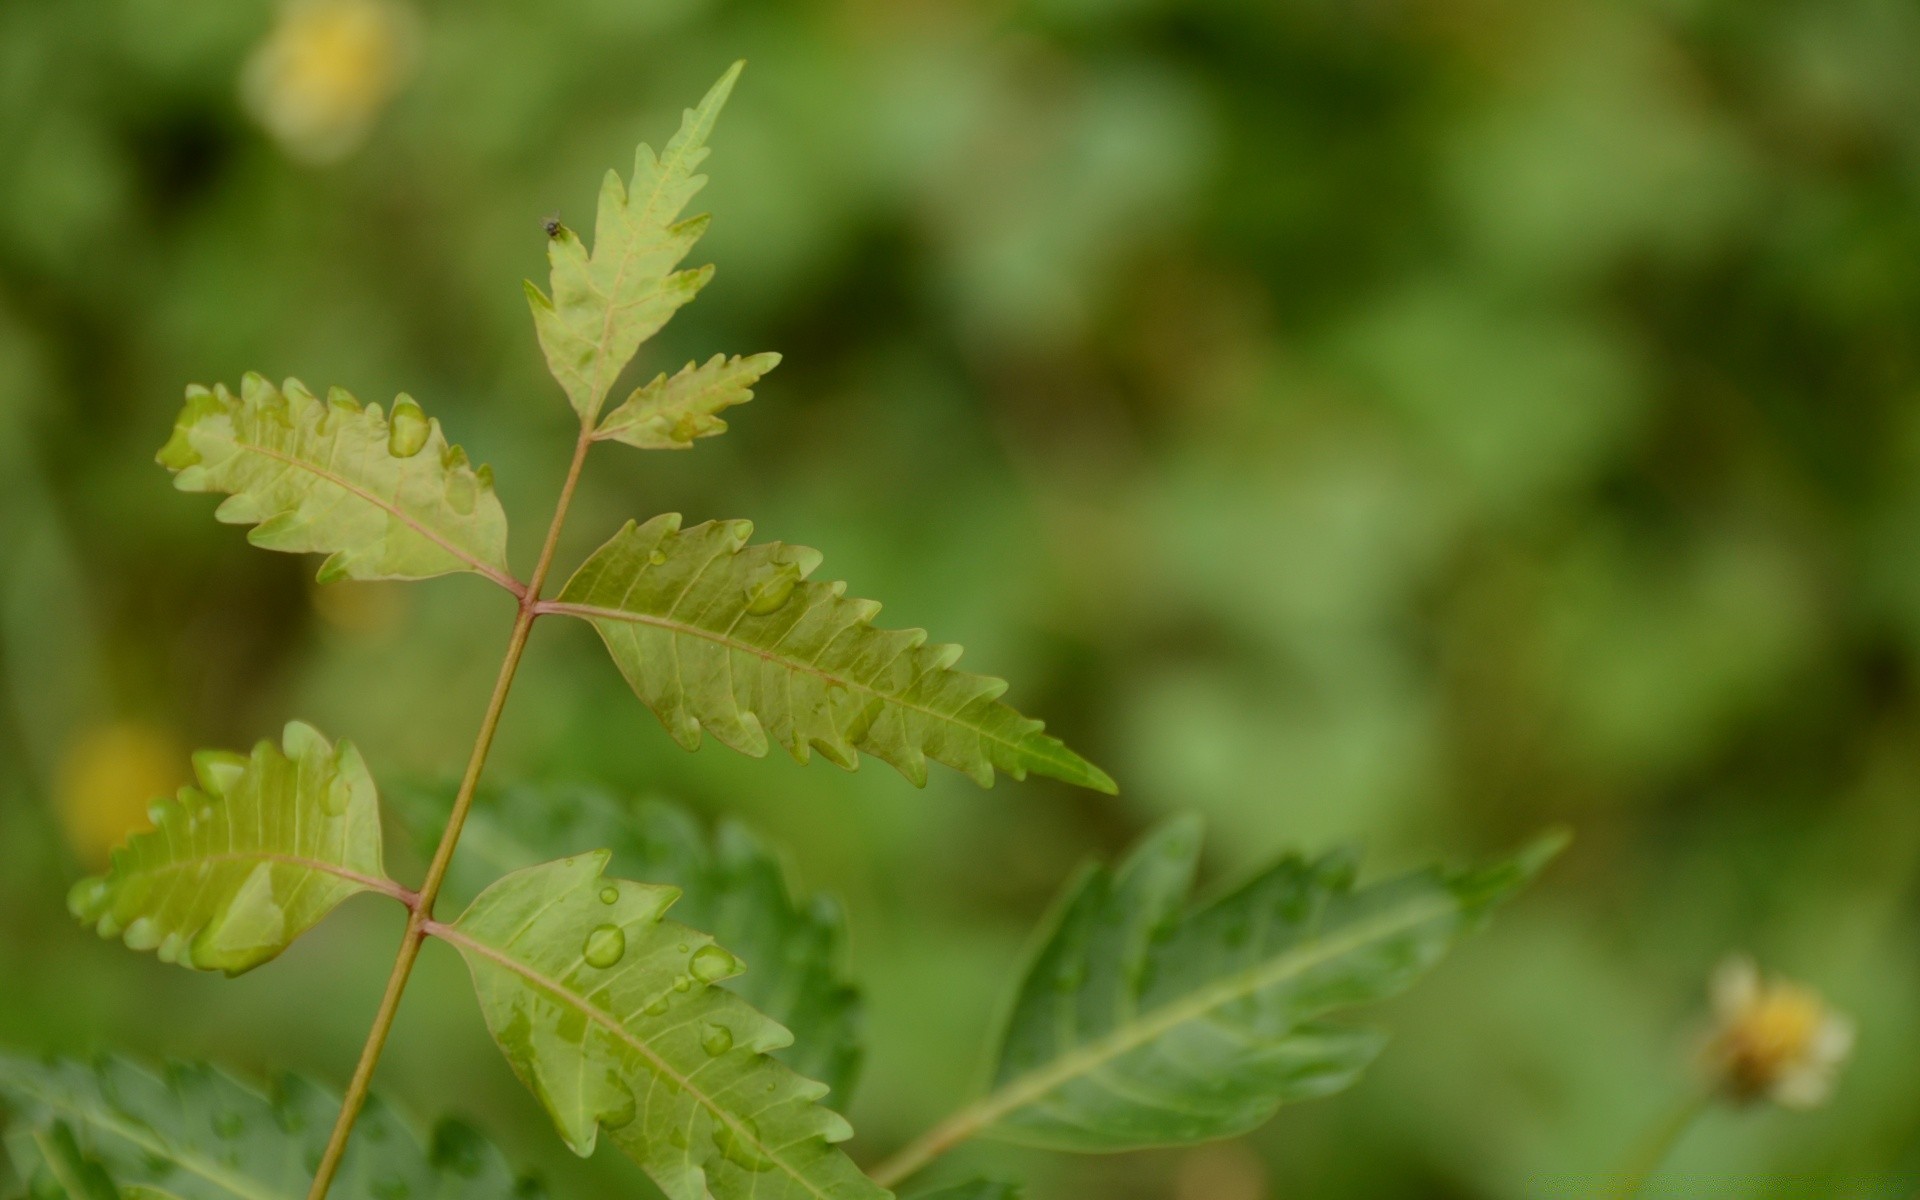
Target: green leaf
977, 1189
1145, 1022
60, 1170
733, 887
237, 868
384, 497
607, 303
196, 1133
605, 1010
668, 414
713, 633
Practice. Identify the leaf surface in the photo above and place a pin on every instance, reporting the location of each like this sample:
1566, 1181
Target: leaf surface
238, 867
195, 1133
716, 634
1143, 1021
670, 413
606, 1011
605, 303
733, 887
384, 497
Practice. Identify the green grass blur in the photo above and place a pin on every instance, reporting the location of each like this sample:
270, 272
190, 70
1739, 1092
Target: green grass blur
1404, 421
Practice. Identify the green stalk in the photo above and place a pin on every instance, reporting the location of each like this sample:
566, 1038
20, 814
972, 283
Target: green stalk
422, 908
1660, 1143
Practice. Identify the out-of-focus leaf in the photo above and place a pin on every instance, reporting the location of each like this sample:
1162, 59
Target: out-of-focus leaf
383, 496
1142, 1022
606, 1011
606, 303
57, 1169
237, 868
193, 1132
732, 887
670, 412
715, 634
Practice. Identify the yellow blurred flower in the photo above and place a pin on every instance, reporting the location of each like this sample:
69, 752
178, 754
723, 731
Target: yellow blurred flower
1773, 1039
326, 71
106, 779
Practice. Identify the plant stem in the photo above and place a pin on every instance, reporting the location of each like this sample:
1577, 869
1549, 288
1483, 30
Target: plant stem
421, 911
915, 1155
1660, 1142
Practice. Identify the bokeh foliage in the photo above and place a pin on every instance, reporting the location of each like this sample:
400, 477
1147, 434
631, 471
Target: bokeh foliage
1412, 420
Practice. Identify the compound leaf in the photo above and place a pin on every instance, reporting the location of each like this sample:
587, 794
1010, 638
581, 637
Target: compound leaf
56, 1167
192, 1132
238, 867
606, 303
669, 413
1145, 1022
715, 634
733, 887
383, 496
606, 1011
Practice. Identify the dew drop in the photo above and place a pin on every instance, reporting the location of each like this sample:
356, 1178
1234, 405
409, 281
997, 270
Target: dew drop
711, 964
682, 983
334, 797
770, 586
716, 1040
658, 1007
658, 558
406, 429
739, 1140
605, 946
609, 895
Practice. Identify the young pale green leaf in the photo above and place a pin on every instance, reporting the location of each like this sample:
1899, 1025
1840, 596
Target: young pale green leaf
382, 495
669, 413
194, 1133
237, 868
733, 887
1142, 1022
606, 303
607, 1012
715, 634
977, 1189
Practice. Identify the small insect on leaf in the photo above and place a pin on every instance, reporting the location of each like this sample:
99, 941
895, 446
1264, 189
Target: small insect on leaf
550, 224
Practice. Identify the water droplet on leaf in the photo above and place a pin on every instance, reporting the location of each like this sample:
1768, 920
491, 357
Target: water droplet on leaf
609, 895
770, 586
711, 964
605, 946
741, 1145
407, 428
716, 1040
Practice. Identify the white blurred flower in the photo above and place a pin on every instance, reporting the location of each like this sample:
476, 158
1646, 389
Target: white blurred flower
1773, 1039
326, 71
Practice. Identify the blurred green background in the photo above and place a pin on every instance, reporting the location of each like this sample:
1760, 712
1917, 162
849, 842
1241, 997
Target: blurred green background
1412, 421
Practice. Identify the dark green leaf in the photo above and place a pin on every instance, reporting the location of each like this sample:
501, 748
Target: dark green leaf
195, 1133
1143, 1021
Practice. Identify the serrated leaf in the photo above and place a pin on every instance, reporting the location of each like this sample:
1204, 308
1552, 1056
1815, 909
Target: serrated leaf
606, 303
193, 1132
384, 497
56, 1167
715, 634
1143, 1022
976, 1189
606, 1011
237, 868
733, 888
669, 413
